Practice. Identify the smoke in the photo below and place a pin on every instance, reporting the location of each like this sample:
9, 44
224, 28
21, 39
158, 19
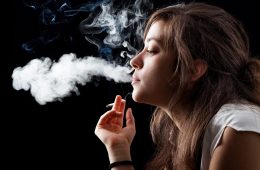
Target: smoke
49, 81
119, 24
122, 24
107, 25
114, 27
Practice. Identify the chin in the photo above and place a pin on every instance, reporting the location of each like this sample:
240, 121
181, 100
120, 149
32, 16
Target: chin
140, 97
137, 97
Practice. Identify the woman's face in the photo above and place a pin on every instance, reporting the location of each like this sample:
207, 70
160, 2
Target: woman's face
153, 70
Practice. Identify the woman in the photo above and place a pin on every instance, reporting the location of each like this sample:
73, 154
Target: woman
195, 67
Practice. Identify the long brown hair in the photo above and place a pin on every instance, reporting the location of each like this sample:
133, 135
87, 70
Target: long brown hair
206, 32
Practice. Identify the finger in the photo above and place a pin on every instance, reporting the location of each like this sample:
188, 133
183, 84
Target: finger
106, 117
130, 120
122, 106
121, 113
117, 103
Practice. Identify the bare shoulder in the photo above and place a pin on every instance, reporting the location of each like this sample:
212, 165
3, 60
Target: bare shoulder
237, 150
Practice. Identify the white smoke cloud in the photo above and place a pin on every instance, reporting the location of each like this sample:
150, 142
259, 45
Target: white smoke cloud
50, 81
109, 25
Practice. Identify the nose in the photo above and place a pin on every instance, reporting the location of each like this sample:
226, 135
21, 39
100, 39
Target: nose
137, 62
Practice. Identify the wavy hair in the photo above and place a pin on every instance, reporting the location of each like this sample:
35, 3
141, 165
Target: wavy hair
206, 32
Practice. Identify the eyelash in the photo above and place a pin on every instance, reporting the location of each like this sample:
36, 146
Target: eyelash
150, 51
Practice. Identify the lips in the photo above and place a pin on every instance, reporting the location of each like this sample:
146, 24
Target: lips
135, 80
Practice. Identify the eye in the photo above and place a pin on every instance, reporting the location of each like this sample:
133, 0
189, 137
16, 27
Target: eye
150, 51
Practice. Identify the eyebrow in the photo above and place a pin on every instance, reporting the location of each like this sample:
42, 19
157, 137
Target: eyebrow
155, 39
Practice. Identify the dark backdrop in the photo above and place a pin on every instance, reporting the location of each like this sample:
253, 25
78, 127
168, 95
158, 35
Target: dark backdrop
61, 134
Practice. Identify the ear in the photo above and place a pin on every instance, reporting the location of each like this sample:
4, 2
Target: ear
200, 68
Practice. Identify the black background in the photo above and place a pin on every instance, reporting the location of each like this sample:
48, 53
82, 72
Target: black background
61, 134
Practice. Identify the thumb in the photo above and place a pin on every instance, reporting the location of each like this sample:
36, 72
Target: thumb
130, 120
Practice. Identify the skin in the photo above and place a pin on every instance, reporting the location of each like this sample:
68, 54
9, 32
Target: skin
117, 138
153, 69
237, 151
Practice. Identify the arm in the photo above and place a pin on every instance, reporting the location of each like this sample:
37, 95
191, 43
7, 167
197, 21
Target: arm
237, 151
115, 137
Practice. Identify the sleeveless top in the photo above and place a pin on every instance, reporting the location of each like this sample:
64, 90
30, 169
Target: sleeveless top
241, 117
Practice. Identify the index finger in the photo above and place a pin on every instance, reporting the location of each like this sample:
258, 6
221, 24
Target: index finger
117, 103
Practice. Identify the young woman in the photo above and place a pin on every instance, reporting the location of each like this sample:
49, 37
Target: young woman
196, 68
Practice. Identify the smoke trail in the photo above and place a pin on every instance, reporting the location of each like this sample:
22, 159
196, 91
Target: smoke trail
50, 81
119, 20
120, 25
110, 25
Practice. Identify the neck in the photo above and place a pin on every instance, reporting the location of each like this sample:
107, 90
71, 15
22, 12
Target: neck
178, 113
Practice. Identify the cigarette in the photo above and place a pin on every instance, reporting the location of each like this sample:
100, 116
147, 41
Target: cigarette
109, 105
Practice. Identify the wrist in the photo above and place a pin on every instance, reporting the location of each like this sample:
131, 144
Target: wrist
121, 163
119, 153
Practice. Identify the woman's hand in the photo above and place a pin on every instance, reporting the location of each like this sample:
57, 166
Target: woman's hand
111, 132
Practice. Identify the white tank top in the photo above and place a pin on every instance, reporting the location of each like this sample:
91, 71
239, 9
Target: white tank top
241, 117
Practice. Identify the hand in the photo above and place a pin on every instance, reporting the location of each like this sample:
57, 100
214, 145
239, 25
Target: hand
111, 132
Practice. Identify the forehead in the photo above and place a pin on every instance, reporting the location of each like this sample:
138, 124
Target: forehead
155, 32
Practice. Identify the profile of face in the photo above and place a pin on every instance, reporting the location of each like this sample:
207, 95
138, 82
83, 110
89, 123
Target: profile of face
153, 70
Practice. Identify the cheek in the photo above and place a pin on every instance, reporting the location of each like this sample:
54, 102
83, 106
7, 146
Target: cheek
154, 88
155, 76
160, 84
